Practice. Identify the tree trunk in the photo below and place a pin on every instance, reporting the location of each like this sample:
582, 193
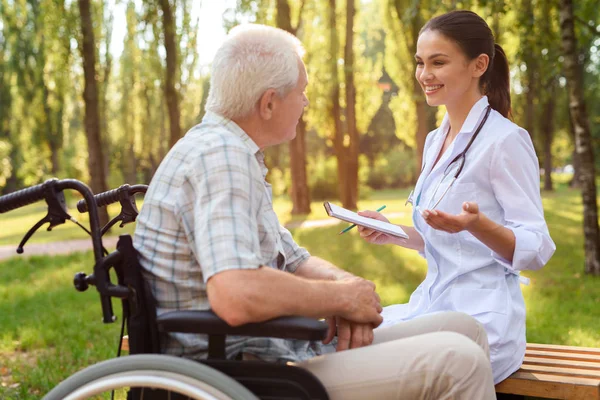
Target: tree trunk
576, 181
548, 134
583, 139
531, 74
336, 110
90, 96
299, 191
425, 115
106, 143
171, 72
350, 197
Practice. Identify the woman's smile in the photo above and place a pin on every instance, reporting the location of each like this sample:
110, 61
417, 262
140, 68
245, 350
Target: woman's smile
431, 89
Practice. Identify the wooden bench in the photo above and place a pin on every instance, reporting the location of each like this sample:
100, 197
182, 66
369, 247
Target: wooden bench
549, 371
556, 372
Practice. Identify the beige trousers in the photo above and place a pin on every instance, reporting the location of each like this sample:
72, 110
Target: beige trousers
438, 356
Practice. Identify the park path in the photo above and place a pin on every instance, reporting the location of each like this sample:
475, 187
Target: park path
71, 246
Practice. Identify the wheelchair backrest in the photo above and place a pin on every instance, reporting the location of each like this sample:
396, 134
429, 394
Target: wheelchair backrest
140, 307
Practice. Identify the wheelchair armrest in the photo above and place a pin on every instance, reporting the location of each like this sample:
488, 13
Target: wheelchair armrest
207, 322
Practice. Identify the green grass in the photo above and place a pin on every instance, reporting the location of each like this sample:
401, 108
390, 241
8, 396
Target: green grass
50, 331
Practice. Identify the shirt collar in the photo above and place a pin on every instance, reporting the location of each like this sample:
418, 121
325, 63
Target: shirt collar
214, 118
470, 123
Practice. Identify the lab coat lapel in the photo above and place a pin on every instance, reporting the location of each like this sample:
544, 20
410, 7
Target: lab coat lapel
461, 140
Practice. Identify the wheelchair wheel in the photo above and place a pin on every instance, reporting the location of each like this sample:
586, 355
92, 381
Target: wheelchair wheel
150, 371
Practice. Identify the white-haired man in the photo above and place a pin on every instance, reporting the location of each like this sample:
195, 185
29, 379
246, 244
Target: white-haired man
208, 238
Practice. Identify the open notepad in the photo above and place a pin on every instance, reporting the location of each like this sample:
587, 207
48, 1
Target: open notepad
352, 217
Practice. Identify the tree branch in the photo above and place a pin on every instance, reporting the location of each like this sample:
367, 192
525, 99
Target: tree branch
594, 31
299, 23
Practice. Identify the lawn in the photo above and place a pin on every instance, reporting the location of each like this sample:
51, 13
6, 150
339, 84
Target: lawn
49, 330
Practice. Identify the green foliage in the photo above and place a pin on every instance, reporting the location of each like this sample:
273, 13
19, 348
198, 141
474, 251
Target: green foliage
395, 168
41, 86
5, 166
323, 179
50, 330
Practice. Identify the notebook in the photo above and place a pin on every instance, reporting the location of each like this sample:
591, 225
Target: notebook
352, 217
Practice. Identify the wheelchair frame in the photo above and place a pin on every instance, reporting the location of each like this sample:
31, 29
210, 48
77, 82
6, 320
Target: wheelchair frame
146, 368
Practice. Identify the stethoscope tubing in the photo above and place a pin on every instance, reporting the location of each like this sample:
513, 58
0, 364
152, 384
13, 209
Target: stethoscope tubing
461, 166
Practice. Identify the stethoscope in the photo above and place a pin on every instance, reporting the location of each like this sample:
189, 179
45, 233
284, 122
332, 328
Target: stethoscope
457, 168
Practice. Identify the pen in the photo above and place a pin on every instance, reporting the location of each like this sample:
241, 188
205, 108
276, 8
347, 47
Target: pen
353, 225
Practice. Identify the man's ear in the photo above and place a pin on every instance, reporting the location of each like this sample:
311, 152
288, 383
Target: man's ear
266, 104
482, 63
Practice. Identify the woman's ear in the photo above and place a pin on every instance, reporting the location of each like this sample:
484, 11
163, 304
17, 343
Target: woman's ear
266, 104
481, 64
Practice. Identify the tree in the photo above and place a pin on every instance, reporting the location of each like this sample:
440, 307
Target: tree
583, 140
90, 97
529, 55
411, 17
171, 72
345, 141
299, 191
350, 185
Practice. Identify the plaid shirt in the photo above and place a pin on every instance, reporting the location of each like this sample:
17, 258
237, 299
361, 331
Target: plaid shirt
209, 209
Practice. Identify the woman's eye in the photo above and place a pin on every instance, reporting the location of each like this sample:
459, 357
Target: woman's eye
438, 63
419, 63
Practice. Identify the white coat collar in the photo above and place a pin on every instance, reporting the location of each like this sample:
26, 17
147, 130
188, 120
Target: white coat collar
470, 123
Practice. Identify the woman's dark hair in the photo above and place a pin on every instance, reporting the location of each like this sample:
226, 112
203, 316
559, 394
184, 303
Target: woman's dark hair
475, 37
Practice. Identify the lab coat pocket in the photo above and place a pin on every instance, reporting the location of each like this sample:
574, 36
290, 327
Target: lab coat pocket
475, 301
457, 195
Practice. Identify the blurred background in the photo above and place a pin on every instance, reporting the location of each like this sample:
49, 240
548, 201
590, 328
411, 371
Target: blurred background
99, 90
147, 71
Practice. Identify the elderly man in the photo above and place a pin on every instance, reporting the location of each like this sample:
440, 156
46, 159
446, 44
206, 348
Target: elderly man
209, 238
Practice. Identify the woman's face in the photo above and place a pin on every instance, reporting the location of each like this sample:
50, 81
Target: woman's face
443, 70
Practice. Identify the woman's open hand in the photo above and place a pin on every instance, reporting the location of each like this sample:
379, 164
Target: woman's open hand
450, 223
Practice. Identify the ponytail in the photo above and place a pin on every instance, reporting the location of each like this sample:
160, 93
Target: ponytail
497, 84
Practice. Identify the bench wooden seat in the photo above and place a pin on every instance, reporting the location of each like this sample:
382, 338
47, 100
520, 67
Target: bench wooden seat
556, 372
549, 371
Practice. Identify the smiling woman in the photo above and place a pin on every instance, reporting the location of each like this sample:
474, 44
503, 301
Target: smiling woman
478, 217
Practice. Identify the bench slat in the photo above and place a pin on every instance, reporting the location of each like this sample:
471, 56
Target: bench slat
125, 343
561, 348
561, 371
561, 363
556, 371
549, 386
562, 356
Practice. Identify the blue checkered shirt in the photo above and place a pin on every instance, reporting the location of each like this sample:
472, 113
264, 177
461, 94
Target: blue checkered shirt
209, 209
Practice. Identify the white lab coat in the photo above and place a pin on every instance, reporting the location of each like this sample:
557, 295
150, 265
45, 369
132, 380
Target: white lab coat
501, 174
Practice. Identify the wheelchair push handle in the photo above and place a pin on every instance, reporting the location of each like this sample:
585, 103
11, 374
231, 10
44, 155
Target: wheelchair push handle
125, 196
24, 197
52, 192
112, 196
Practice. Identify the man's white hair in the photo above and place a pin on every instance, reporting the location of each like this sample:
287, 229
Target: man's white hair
253, 59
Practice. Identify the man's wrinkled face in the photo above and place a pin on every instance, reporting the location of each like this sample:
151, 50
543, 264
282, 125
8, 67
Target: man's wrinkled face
289, 108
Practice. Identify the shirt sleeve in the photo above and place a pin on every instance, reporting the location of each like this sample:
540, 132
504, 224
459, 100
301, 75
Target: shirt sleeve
294, 254
515, 180
221, 223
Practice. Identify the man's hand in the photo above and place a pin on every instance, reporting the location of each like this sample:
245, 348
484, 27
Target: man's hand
351, 335
442, 221
362, 302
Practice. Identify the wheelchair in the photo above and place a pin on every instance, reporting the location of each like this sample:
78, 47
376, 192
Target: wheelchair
146, 374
